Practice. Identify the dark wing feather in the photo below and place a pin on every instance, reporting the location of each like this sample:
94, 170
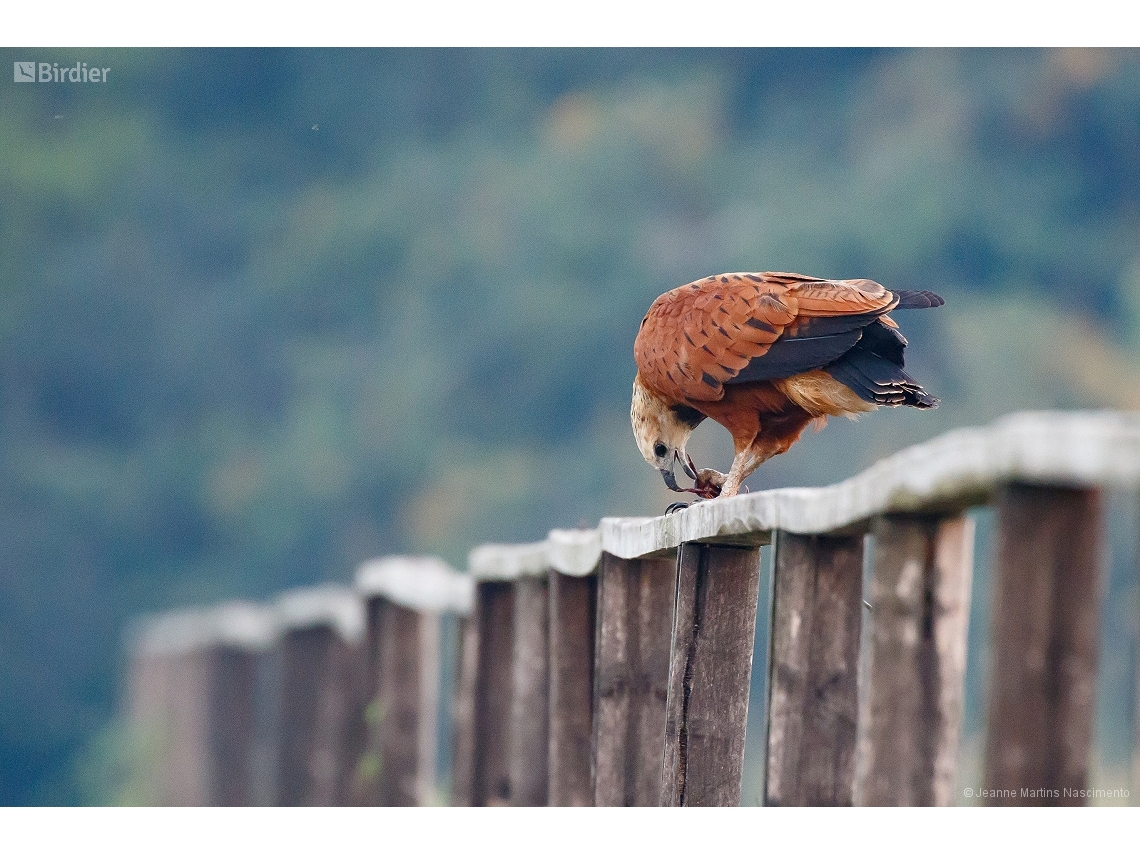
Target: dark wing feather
885, 341
877, 379
790, 356
813, 342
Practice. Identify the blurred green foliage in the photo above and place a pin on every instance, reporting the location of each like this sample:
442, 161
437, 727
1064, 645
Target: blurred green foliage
266, 314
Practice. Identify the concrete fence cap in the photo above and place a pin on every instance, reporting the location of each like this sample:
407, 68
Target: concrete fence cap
499, 562
322, 605
238, 624
575, 552
423, 583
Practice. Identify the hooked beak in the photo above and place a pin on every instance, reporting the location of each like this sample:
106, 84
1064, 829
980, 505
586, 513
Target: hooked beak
686, 464
671, 479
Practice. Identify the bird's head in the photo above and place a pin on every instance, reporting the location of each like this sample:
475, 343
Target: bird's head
661, 432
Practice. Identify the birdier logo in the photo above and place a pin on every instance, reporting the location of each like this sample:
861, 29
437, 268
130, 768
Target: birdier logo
50, 72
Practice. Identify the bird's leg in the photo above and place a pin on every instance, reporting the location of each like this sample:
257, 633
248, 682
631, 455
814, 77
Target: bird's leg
778, 434
744, 464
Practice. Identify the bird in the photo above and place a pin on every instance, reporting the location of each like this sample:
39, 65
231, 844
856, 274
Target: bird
764, 355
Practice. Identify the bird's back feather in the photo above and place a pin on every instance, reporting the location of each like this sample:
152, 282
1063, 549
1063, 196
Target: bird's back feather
749, 327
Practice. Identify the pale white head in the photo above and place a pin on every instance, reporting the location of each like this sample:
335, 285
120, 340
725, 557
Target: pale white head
661, 431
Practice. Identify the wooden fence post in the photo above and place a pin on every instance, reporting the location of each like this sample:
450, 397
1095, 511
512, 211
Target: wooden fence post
526, 698
481, 748
243, 633
634, 627
494, 616
664, 719
1046, 624
530, 696
574, 558
465, 742
321, 702
497, 747
193, 687
813, 669
714, 628
910, 714
405, 599
169, 702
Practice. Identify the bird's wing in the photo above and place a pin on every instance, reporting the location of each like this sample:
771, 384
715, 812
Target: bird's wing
742, 327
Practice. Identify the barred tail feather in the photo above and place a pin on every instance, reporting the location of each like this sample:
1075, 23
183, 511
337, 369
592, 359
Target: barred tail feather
918, 300
879, 381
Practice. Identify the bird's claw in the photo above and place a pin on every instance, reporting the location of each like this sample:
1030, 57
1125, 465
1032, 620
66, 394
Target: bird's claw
708, 483
680, 506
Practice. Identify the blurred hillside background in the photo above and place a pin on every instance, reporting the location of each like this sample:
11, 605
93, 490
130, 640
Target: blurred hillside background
266, 314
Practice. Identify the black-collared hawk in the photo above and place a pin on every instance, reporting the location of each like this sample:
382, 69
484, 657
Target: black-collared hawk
765, 354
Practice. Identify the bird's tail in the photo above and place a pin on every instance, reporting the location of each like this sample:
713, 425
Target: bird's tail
879, 381
918, 300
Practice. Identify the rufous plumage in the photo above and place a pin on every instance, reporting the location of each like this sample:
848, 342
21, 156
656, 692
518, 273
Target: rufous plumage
764, 354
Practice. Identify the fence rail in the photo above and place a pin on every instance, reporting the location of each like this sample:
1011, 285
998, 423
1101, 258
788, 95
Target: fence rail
612, 666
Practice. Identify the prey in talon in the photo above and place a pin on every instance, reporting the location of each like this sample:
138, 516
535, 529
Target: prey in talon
765, 355
706, 482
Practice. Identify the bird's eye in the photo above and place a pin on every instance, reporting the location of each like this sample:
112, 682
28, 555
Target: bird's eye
659, 449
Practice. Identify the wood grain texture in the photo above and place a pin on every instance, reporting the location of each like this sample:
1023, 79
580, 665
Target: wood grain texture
403, 741
530, 694
302, 777
910, 715
321, 727
463, 714
714, 628
494, 611
1046, 623
233, 677
813, 676
573, 613
169, 708
634, 626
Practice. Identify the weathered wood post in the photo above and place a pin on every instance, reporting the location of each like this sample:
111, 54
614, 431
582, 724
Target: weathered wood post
1046, 623
192, 696
574, 558
321, 703
833, 735
168, 688
527, 566
467, 747
483, 708
631, 677
914, 661
813, 669
714, 627
405, 599
500, 750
